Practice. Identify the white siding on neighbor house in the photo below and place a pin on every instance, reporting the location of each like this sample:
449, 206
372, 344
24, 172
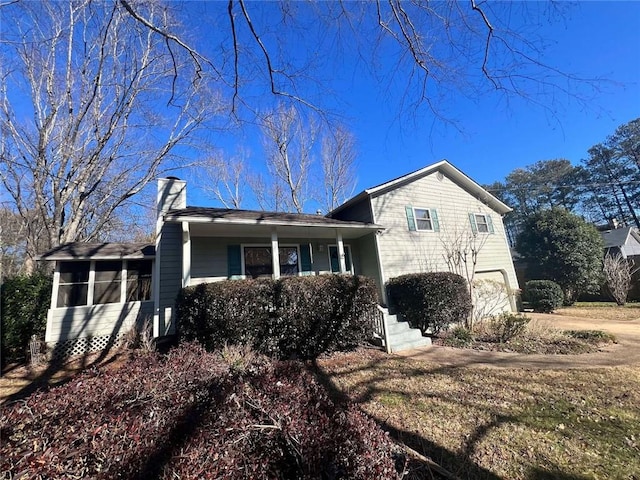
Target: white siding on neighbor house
209, 254
170, 275
96, 320
404, 251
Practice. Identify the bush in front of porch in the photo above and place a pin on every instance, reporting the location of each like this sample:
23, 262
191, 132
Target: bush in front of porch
289, 317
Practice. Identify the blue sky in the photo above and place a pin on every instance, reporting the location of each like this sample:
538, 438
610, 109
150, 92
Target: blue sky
492, 136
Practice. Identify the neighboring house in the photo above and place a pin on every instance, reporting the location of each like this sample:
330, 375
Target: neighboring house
625, 240
411, 224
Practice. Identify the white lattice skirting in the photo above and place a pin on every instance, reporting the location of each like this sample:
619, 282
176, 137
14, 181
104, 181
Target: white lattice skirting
82, 346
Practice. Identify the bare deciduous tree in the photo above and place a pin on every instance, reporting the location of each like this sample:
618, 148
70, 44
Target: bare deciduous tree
225, 179
288, 144
618, 273
81, 127
338, 167
461, 249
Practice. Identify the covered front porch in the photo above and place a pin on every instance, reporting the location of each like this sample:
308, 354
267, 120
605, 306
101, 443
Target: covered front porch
219, 245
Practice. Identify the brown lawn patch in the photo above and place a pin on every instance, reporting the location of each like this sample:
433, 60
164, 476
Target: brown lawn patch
507, 423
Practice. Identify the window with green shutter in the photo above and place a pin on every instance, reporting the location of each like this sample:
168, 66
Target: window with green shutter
422, 219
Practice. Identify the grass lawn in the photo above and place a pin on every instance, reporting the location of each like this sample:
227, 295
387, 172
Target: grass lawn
502, 423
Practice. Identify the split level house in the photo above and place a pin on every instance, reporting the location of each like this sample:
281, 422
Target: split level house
419, 222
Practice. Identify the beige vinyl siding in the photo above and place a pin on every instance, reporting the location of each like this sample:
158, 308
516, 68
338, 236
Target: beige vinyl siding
405, 251
96, 320
170, 274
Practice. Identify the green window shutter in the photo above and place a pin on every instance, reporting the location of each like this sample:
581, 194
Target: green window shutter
472, 220
411, 221
347, 258
434, 220
333, 258
305, 258
490, 224
234, 260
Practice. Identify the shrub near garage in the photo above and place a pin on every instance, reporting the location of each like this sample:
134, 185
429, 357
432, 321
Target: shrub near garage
292, 316
191, 416
543, 296
430, 301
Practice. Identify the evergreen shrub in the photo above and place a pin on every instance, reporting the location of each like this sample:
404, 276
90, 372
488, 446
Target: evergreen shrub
430, 301
290, 317
25, 301
543, 296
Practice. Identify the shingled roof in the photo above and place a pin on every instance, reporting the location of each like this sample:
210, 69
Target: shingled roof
100, 251
257, 217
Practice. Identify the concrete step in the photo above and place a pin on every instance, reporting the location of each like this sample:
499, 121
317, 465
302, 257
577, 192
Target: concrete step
401, 336
404, 336
417, 343
398, 327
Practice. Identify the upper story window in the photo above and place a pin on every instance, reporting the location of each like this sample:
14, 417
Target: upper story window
422, 219
481, 223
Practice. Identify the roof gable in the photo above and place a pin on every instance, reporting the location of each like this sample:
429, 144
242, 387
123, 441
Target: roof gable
443, 167
620, 237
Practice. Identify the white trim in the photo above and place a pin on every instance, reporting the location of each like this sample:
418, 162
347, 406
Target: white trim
415, 219
155, 281
186, 255
123, 281
341, 255
275, 255
444, 167
56, 286
92, 282
453, 173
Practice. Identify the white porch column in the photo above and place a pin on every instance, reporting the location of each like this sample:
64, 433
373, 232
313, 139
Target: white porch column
186, 255
275, 254
341, 256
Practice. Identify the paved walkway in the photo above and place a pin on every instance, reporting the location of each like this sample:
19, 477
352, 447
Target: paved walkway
625, 353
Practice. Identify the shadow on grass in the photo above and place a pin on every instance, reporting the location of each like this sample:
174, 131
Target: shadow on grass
454, 462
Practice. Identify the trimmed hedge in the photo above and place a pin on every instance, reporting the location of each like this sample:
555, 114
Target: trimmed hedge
25, 301
292, 316
543, 295
430, 301
190, 415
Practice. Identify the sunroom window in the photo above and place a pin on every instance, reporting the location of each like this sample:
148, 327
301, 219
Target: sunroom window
74, 284
107, 283
100, 282
138, 280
